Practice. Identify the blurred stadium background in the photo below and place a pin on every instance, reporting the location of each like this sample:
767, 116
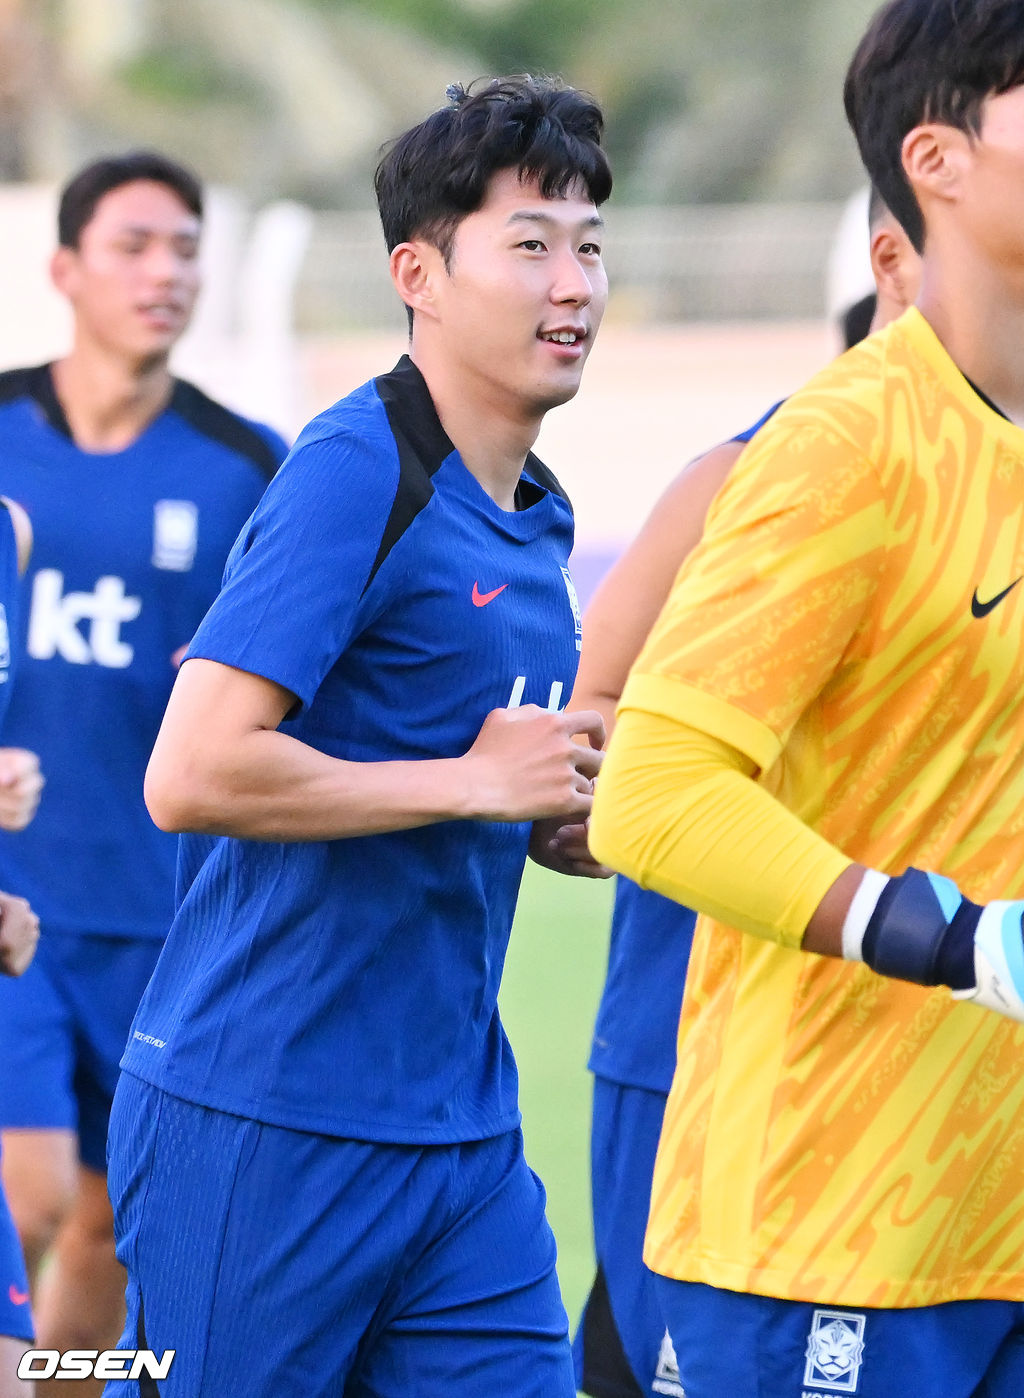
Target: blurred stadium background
733, 170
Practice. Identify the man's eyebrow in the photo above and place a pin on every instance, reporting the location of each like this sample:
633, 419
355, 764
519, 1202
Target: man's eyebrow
538, 216
148, 229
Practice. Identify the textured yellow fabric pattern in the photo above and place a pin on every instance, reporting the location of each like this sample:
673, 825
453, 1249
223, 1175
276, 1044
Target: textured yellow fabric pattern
721, 843
833, 1136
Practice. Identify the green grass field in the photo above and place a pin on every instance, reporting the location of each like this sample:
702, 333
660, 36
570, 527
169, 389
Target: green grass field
553, 977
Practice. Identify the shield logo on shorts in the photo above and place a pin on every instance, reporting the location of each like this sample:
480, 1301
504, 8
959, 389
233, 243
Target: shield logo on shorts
666, 1376
835, 1351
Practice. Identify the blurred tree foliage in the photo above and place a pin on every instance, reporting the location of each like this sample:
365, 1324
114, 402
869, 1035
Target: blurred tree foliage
706, 99
722, 100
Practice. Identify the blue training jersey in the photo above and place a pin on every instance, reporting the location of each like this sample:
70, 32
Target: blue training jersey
129, 549
350, 986
635, 1032
9, 598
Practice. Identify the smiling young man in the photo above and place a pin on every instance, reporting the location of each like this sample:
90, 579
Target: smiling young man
316, 1164
820, 747
136, 484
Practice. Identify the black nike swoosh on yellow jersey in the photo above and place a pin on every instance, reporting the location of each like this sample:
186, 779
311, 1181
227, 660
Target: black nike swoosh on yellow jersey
980, 609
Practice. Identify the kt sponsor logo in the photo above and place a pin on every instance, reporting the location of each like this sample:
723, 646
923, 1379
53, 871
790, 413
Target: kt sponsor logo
104, 1364
56, 617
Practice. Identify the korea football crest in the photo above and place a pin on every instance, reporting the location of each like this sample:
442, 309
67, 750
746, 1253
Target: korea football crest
835, 1351
666, 1376
175, 535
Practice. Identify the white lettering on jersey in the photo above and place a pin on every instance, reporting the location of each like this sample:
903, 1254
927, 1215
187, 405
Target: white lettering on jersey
5, 646
574, 603
515, 699
53, 627
175, 534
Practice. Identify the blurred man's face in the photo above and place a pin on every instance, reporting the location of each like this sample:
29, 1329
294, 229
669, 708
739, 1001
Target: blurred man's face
134, 277
524, 293
995, 202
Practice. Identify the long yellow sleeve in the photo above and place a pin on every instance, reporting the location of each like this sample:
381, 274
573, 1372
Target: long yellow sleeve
679, 812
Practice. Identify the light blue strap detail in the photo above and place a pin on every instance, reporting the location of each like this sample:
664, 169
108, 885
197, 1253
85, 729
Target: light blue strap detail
947, 893
1013, 945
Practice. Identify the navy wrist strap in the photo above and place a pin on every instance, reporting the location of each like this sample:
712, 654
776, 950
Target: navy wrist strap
922, 930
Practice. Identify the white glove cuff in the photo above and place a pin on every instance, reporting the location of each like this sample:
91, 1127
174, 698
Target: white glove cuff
858, 915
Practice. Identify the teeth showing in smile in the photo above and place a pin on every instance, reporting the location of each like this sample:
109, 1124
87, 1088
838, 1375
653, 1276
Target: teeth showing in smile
560, 337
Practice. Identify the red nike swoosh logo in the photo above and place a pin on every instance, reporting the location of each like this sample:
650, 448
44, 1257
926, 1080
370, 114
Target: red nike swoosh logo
19, 1298
480, 599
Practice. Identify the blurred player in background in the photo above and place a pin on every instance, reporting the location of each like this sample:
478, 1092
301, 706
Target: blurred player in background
621, 1349
315, 1155
136, 484
20, 784
833, 693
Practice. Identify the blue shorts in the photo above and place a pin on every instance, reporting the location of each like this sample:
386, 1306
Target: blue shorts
15, 1313
748, 1346
284, 1264
620, 1349
63, 1028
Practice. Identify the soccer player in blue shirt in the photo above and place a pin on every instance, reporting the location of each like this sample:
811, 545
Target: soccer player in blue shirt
19, 930
136, 484
315, 1157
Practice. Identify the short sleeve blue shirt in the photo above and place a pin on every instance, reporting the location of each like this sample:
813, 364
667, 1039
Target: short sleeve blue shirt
350, 986
128, 553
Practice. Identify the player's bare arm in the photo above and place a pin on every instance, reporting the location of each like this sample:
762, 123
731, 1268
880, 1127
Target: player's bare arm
626, 604
21, 785
19, 933
621, 613
221, 767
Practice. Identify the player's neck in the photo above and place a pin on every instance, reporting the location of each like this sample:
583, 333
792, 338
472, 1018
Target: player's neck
490, 433
108, 401
978, 314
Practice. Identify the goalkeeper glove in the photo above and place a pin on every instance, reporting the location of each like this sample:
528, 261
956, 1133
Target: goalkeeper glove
919, 927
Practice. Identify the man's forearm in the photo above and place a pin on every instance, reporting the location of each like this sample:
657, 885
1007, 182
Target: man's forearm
679, 812
270, 786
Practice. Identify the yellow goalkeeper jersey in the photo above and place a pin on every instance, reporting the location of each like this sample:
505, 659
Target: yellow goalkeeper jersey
854, 622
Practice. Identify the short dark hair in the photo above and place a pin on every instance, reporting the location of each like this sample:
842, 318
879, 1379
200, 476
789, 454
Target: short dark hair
877, 208
927, 60
435, 174
85, 189
855, 322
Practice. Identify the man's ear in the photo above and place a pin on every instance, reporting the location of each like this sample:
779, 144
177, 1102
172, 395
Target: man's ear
416, 268
62, 265
887, 265
935, 160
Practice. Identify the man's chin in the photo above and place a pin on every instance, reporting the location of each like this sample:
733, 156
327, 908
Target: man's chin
554, 395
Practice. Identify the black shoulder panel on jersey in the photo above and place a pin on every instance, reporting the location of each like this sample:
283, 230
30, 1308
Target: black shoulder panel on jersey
35, 383
422, 446
535, 470
213, 420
